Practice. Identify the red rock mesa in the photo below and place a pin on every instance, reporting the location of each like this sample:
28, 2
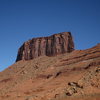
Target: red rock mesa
50, 46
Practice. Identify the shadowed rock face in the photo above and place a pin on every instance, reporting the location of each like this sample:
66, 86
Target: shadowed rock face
50, 46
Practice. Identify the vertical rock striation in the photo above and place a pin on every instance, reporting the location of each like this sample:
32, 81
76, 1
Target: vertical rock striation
50, 46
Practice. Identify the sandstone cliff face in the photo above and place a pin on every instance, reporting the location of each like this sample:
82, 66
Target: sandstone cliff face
50, 46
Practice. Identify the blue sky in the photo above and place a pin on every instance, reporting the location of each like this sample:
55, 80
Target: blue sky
21, 20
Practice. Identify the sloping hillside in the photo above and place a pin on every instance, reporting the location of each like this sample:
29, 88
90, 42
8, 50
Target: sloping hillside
69, 76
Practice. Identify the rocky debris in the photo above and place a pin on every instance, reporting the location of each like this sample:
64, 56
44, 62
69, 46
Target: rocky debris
50, 46
56, 95
49, 76
74, 84
73, 88
98, 69
57, 74
29, 98
23, 72
6, 80
71, 91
